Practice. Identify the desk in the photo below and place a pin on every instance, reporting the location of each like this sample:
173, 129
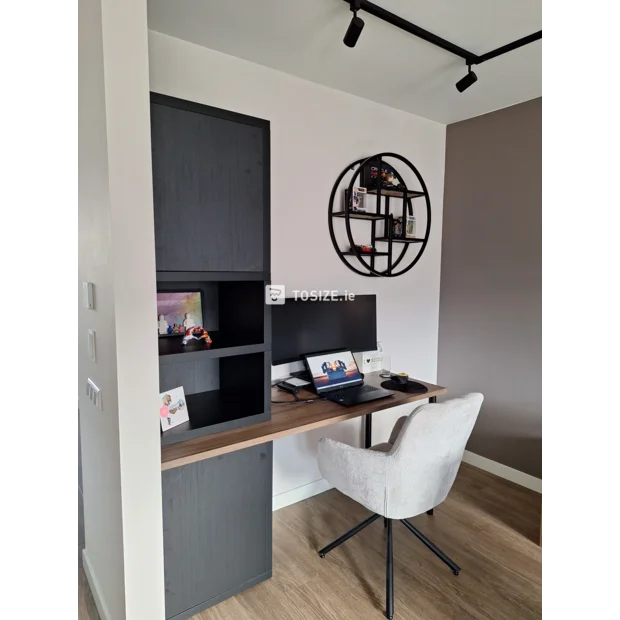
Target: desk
217, 498
287, 419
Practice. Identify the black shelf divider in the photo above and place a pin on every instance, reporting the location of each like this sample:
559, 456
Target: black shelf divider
171, 350
401, 240
216, 411
356, 215
211, 276
366, 254
396, 193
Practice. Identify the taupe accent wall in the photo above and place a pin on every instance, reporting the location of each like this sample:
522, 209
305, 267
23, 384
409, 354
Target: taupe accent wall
490, 302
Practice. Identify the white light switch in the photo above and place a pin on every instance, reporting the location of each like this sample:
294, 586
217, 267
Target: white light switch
88, 293
92, 351
94, 393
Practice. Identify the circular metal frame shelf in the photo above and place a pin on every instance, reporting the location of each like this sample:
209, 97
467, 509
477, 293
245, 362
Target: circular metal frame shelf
381, 215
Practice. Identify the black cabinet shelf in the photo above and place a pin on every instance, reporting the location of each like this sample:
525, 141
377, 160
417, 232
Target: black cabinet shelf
171, 349
361, 216
401, 240
211, 276
218, 410
394, 193
366, 254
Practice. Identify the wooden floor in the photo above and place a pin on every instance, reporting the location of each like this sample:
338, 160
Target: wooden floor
488, 526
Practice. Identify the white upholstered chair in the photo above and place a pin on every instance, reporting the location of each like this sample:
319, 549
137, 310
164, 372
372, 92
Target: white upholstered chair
407, 476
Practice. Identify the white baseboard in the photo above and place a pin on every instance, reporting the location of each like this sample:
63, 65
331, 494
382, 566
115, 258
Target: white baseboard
300, 493
102, 608
503, 471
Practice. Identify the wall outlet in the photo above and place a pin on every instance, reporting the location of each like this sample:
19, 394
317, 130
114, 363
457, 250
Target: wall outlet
88, 295
92, 351
94, 393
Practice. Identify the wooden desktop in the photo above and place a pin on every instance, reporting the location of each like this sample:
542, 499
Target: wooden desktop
287, 419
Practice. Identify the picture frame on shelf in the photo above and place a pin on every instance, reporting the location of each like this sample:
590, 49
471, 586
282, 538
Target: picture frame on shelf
397, 228
410, 227
358, 200
173, 408
178, 311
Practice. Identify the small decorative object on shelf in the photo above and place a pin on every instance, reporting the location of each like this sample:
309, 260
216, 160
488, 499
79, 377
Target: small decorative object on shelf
410, 227
358, 200
178, 312
389, 178
397, 228
364, 249
173, 410
188, 322
162, 325
197, 333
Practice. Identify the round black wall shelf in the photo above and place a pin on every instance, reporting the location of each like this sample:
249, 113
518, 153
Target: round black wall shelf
389, 256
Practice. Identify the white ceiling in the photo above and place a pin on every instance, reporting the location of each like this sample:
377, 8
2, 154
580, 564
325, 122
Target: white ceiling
388, 65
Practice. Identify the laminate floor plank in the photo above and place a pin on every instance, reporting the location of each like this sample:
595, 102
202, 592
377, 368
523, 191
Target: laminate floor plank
487, 525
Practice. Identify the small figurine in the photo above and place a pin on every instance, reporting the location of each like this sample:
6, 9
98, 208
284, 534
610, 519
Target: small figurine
197, 333
188, 322
162, 325
364, 249
169, 329
175, 329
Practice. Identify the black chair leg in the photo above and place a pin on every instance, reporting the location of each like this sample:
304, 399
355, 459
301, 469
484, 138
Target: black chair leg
438, 552
389, 574
430, 512
349, 534
385, 521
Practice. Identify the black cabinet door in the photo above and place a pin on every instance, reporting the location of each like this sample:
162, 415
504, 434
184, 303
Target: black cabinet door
217, 528
210, 189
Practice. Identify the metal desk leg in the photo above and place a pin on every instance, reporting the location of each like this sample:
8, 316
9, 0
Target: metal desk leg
368, 431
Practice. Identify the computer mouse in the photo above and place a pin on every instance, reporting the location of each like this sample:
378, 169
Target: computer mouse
401, 378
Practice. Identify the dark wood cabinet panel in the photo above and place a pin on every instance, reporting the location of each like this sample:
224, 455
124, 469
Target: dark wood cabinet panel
217, 528
210, 189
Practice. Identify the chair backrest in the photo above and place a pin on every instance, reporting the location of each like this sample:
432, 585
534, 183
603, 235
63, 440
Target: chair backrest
427, 454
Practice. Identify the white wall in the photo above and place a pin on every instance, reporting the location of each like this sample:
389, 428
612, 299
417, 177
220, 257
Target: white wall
121, 460
315, 133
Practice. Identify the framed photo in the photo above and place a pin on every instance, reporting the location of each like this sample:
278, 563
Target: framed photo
410, 227
178, 312
173, 408
358, 199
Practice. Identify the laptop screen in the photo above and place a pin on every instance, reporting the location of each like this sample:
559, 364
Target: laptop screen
333, 370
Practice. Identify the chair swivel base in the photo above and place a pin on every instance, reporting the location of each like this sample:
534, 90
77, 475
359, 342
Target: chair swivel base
389, 606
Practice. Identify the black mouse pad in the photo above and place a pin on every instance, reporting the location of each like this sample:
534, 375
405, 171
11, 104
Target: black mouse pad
411, 387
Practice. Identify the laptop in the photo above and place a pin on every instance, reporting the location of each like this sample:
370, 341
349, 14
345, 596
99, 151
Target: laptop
336, 377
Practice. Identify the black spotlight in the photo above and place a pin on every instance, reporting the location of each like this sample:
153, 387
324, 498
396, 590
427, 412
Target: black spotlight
353, 31
467, 81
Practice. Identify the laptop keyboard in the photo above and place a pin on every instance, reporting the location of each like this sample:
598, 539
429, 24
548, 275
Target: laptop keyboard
352, 391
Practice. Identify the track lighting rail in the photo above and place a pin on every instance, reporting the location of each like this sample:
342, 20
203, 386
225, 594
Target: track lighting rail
469, 57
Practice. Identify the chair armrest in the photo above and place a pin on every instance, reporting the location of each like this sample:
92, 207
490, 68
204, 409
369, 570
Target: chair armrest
397, 428
358, 473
